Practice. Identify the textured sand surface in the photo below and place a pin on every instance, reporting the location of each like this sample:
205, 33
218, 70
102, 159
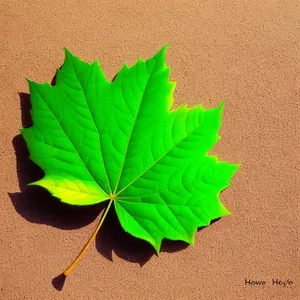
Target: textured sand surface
245, 52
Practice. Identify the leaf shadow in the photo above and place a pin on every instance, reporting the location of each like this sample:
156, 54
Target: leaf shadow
37, 205
113, 239
34, 203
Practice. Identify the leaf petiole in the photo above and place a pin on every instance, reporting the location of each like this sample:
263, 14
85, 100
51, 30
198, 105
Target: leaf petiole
74, 263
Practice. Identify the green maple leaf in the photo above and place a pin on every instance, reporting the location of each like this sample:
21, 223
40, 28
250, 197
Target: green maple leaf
120, 142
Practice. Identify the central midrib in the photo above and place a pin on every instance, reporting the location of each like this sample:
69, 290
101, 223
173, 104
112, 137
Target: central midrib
130, 135
91, 114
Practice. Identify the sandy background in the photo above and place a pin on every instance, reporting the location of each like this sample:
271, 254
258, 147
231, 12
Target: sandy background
246, 52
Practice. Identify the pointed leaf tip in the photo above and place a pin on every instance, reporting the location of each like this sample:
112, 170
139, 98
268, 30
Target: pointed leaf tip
67, 50
221, 106
166, 46
163, 50
157, 248
28, 81
68, 54
31, 83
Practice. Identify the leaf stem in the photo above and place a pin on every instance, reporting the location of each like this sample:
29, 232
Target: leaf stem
74, 263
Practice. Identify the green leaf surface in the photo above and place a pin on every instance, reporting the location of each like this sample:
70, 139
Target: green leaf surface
98, 140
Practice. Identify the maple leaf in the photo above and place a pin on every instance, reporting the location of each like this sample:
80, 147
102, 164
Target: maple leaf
120, 142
